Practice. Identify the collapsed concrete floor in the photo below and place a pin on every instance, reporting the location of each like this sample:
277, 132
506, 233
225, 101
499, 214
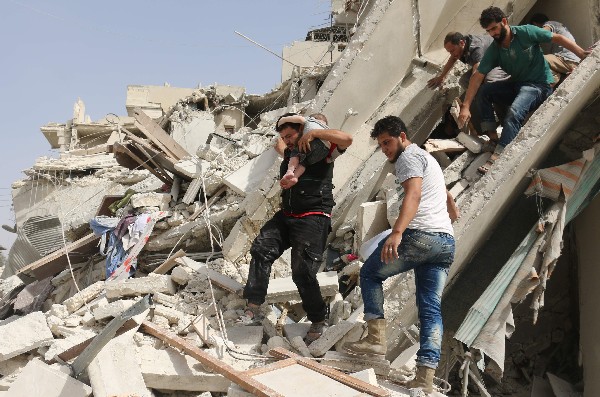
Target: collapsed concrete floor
190, 175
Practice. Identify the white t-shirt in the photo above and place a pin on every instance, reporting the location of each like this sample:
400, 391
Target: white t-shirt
432, 214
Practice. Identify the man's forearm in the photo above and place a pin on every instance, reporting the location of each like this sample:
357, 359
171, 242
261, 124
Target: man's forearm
408, 210
340, 138
474, 84
569, 45
447, 67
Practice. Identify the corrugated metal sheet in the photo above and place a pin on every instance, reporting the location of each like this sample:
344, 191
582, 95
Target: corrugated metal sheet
481, 311
39, 236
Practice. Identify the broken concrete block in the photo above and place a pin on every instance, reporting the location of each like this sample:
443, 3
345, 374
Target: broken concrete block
329, 338
458, 188
59, 311
14, 364
112, 309
174, 316
294, 330
372, 220
471, 142
442, 158
366, 375
471, 174
341, 310
246, 338
236, 391
168, 369
32, 297
61, 345
181, 275
443, 145
297, 343
151, 199
24, 334
86, 295
40, 379
392, 192
115, 370
276, 341
140, 286
284, 289
237, 242
251, 175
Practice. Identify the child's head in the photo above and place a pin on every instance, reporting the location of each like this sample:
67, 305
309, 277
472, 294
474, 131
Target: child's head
320, 117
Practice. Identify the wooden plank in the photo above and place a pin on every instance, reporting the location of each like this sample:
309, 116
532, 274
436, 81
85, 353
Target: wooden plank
210, 362
122, 149
157, 135
216, 278
169, 263
56, 262
273, 367
349, 381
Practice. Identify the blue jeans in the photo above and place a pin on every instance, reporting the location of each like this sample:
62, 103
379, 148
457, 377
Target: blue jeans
521, 98
430, 255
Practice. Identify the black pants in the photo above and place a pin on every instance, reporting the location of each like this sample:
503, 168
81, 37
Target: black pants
307, 237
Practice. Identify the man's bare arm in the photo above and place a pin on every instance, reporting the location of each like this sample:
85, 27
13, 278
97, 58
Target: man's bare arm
408, 210
439, 79
340, 138
453, 210
569, 45
474, 84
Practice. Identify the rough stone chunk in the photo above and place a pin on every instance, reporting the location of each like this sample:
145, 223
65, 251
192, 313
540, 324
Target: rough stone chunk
140, 286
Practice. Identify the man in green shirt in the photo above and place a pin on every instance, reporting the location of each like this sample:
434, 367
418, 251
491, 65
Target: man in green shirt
516, 49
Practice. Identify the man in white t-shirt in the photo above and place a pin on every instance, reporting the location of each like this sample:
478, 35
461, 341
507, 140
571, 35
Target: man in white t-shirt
421, 240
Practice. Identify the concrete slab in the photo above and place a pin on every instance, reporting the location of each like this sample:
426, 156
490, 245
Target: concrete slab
40, 379
168, 369
24, 334
330, 337
284, 289
115, 371
372, 220
295, 329
251, 175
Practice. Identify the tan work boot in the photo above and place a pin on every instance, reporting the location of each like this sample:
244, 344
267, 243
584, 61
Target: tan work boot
373, 343
424, 379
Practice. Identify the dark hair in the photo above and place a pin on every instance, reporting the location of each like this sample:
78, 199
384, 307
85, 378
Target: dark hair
393, 125
491, 15
454, 38
296, 126
538, 19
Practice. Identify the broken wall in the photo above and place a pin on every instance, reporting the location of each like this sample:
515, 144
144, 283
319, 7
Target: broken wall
587, 230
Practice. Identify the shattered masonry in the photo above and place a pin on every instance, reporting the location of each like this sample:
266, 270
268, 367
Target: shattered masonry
187, 178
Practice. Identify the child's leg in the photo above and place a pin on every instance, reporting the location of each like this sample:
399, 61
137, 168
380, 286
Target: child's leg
292, 166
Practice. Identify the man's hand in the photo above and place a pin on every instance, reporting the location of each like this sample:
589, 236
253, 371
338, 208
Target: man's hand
286, 183
463, 116
304, 141
389, 252
435, 82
